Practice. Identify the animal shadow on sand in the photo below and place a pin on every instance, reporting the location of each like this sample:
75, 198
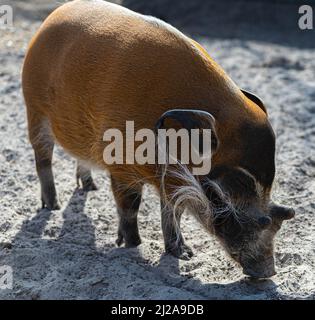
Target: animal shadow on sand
70, 266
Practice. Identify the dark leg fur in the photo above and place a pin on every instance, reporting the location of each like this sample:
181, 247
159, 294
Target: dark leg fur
43, 157
173, 239
84, 175
128, 201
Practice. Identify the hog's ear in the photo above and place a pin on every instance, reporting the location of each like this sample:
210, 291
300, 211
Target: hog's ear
255, 99
191, 119
281, 212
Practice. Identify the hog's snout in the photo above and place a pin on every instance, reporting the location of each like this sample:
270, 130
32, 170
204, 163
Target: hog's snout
260, 269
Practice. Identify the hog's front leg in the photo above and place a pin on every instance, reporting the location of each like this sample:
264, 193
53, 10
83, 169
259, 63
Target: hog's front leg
128, 201
173, 239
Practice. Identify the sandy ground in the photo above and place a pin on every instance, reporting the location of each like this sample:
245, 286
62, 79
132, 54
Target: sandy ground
70, 253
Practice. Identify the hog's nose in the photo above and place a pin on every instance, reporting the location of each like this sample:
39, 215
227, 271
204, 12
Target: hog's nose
260, 270
259, 275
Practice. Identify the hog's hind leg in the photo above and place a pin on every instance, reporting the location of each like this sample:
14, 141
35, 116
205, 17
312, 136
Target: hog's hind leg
128, 201
84, 175
43, 144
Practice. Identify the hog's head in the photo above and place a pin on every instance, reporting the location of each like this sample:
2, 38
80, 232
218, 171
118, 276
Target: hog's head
248, 227
233, 201
249, 222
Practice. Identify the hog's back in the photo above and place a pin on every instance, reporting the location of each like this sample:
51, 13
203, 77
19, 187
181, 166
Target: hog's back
94, 65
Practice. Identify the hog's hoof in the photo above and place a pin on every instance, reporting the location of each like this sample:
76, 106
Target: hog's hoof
131, 243
182, 252
51, 205
87, 183
91, 186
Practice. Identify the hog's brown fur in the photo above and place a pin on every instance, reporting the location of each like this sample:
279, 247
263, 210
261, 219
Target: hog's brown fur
94, 65
93, 71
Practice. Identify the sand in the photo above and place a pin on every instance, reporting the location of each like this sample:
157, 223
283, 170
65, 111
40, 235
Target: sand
71, 253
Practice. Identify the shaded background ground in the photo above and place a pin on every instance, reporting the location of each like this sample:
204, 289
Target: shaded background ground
71, 253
